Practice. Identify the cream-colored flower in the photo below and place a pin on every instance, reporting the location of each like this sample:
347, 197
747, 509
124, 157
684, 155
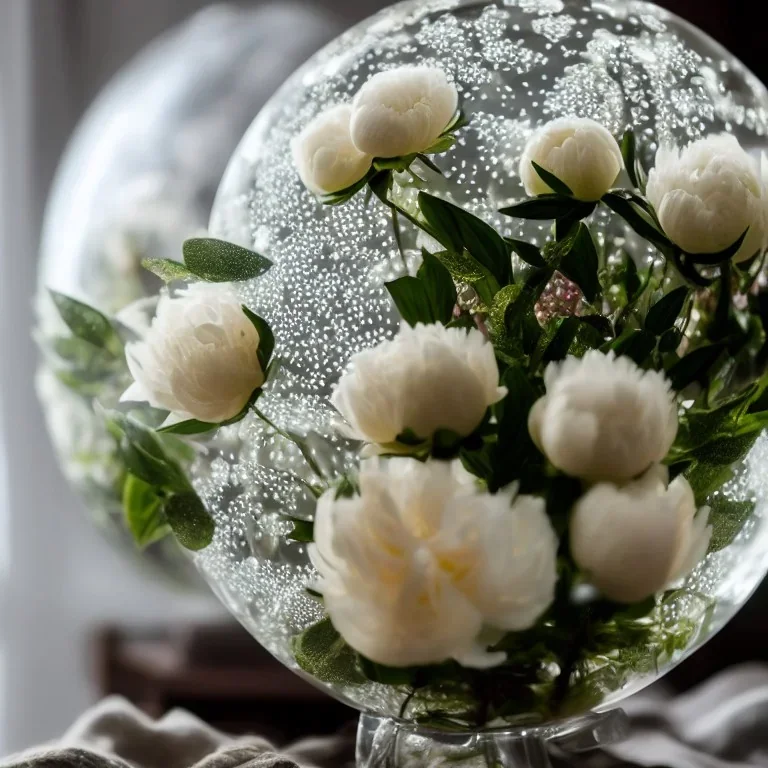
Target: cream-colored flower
604, 418
426, 378
199, 357
324, 155
707, 195
402, 111
580, 152
415, 567
634, 540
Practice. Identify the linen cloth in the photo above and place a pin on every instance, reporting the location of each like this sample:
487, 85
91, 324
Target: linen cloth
721, 724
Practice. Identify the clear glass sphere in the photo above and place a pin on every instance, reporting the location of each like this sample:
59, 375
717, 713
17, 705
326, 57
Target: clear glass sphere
137, 179
517, 64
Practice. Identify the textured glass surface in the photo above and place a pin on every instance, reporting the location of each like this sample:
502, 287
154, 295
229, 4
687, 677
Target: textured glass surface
137, 179
518, 64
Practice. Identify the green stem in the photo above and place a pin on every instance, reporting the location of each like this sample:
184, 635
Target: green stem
399, 237
305, 452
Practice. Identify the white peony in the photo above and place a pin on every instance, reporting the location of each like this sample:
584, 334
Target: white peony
325, 156
199, 358
604, 418
416, 566
634, 540
402, 111
707, 194
426, 378
580, 152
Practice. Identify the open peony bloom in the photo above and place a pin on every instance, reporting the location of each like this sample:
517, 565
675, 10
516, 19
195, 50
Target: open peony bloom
580, 152
325, 156
413, 568
604, 418
198, 358
402, 111
425, 379
634, 540
707, 194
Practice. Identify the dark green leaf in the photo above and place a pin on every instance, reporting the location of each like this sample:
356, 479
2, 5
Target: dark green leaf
266, 338
378, 673
719, 327
726, 450
303, 530
439, 287
529, 253
218, 261
632, 281
143, 509
549, 178
548, 208
459, 230
344, 195
632, 162
478, 462
168, 270
321, 652
563, 492
190, 427
580, 263
694, 366
190, 521
637, 218
410, 438
430, 164
711, 259
411, 299
665, 312
705, 479
688, 270
636, 345
727, 519
86, 323
670, 340
446, 444
566, 332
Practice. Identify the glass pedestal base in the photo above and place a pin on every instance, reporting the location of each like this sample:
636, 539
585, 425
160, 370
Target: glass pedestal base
387, 743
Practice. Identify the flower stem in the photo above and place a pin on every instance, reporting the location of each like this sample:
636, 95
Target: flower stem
296, 440
399, 237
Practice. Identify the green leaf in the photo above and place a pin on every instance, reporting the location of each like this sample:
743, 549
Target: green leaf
303, 530
727, 519
694, 366
443, 144
631, 160
84, 356
80, 386
665, 312
218, 261
670, 340
446, 444
562, 493
711, 259
566, 332
266, 338
465, 269
143, 509
190, 521
458, 230
549, 178
638, 219
411, 300
321, 652
726, 450
190, 427
168, 270
529, 253
503, 304
439, 287
636, 345
378, 673
580, 263
549, 208
706, 478
87, 323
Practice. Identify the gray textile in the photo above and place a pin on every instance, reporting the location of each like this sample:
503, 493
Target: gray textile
721, 724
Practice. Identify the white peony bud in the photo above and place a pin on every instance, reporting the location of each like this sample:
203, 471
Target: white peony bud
413, 568
198, 359
426, 378
580, 152
402, 111
325, 156
635, 540
707, 194
604, 418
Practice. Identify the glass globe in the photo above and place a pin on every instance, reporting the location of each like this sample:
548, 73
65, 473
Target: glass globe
137, 179
517, 64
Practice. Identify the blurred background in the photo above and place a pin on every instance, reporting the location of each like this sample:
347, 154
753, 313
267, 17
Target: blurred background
79, 619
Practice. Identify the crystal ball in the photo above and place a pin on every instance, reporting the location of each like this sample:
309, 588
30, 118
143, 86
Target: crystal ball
517, 65
138, 177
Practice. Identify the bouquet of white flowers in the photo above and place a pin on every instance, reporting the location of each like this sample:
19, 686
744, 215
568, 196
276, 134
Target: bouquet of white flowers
541, 446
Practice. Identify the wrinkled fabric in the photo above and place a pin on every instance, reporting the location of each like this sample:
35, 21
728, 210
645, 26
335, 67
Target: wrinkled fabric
720, 724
